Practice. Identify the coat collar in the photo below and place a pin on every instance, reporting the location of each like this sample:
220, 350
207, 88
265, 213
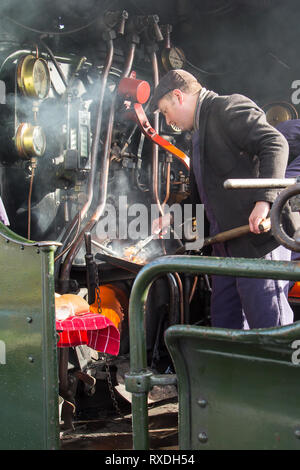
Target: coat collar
205, 97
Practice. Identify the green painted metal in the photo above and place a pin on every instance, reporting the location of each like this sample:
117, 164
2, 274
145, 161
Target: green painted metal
237, 390
28, 356
189, 264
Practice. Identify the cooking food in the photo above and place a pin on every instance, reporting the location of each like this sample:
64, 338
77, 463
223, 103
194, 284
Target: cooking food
129, 254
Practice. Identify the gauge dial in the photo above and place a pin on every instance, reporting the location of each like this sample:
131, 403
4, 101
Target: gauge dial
30, 141
33, 77
279, 111
173, 58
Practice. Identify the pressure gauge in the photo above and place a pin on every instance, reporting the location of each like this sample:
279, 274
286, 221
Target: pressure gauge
173, 58
30, 141
279, 112
33, 77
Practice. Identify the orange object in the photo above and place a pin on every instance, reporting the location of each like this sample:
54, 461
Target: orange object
295, 290
133, 89
110, 305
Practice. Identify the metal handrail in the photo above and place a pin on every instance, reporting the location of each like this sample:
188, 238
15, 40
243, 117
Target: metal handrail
139, 380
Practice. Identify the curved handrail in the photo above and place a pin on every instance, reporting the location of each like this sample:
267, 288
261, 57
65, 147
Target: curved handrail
138, 379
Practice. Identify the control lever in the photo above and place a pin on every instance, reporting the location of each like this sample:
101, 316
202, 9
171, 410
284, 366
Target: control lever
264, 226
139, 91
151, 134
236, 232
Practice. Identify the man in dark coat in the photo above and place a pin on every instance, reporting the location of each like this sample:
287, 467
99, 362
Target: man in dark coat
232, 139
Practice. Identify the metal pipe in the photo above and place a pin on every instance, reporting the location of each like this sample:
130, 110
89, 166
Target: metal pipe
96, 139
103, 175
56, 64
137, 380
259, 183
128, 141
107, 145
95, 145
168, 183
72, 78
193, 289
154, 146
155, 189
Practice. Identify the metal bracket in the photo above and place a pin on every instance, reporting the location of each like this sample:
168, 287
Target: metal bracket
144, 382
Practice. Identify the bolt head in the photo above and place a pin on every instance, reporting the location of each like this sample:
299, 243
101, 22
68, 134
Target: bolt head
202, 402
202, 436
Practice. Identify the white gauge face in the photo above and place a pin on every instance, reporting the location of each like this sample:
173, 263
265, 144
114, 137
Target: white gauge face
176, 58
38, 141
41, 79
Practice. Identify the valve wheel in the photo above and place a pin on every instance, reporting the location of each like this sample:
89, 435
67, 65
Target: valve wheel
279, 233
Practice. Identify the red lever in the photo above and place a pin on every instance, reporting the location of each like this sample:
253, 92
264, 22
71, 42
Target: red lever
139, 92
152, 135
134, 90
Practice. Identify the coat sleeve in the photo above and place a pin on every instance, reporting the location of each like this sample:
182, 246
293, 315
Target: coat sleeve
246, 126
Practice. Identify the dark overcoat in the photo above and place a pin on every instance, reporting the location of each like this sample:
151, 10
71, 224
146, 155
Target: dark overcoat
236, 141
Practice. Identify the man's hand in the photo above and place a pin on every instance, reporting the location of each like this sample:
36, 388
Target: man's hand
259, 214
161, 224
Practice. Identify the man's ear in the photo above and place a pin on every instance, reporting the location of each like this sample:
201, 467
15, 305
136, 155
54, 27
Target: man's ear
178, 95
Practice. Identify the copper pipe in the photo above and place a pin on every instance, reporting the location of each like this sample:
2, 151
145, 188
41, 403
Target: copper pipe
103, 175
33, 167
193, 289
29, 205
107, 145
168, 181
154, 146
95, 143
155, 153
96, 139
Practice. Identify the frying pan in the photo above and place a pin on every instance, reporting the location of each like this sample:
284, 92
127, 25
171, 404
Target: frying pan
112, 257
120, 262
115, 260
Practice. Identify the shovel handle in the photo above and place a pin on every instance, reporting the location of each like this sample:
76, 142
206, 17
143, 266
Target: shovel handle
236, 232
265, 225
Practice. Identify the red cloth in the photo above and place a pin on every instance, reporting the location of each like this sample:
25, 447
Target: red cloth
92, 329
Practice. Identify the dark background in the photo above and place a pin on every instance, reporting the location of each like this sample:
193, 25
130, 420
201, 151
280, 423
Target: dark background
245, 46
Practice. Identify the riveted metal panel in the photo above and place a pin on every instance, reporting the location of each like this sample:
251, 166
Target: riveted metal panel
236, 392
28, 359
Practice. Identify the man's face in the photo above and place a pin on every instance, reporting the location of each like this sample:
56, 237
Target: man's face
173, 107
